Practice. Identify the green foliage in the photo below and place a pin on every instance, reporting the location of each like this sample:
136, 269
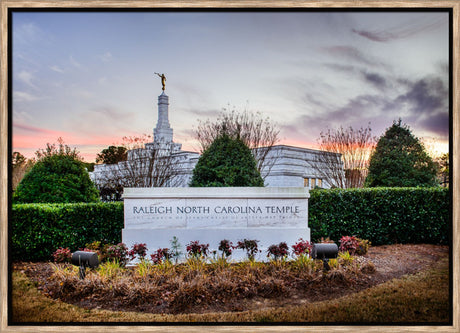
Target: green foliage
56, 178
381, 215
227, 162
400, 159
175, 249
37, 230
112, 155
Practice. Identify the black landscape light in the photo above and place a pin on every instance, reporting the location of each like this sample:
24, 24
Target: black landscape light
325, 251
84, 259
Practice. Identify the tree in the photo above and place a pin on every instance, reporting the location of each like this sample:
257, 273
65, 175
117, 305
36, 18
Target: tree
59, 175
156, 165
443, 169
226, 162
112, 155
62, 149
400, 160
137, 141
347, 166
21, 165
258, 133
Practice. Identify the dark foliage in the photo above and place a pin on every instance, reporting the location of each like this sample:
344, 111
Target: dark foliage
227, 162
381, 215
56, 178
250, 245
118, 253
278, 251
112, 155
400, 159
37, 230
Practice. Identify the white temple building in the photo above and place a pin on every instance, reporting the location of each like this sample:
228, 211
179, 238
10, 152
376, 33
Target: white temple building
285, 165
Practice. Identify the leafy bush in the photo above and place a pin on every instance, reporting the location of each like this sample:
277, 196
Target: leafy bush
99, 248
161, 255
348, 244
381, 215
62, 255
195, 249
250, 245
139, 250
226, 247
37, 230
56, 178
278, 251
363, 246
345, 258
118, 253
175, 249
227, 162
302, 247
400, 159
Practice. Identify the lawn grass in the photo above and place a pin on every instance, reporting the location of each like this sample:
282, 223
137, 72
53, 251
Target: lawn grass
419, 298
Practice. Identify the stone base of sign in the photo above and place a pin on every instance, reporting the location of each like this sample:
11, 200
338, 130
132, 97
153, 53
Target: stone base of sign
208, 215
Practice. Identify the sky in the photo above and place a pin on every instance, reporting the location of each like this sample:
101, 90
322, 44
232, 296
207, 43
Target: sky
88, 77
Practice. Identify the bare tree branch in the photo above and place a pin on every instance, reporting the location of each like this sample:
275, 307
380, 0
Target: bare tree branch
350, 169
258, 133
156, 165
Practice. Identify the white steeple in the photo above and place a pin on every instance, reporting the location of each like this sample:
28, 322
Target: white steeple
163, 133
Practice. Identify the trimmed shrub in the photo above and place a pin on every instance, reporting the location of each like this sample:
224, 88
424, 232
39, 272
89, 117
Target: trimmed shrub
139, 250
195, 249
302, 247
349, 244
118, 253
37, 230
62, 255
56, 178
161, 255
381, 215
227, 162
250, 246
278, 251
225, 246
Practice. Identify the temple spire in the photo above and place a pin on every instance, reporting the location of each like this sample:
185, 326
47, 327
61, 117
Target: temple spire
163, 131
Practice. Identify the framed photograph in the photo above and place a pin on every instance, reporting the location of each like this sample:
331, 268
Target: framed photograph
347, 114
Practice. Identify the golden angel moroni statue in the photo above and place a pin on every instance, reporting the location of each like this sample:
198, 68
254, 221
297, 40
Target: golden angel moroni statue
163, 79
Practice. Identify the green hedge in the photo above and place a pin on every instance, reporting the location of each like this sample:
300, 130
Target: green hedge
381, 215
37, 230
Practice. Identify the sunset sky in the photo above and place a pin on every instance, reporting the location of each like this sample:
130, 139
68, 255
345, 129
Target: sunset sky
88, 77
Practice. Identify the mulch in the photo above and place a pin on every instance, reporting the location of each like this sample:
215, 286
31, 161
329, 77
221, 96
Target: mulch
390, 261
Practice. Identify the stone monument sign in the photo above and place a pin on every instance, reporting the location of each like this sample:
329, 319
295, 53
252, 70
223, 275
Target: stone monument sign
208, 215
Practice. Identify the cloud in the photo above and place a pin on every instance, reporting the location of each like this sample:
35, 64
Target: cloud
405, 30
36, 130
375, 79
422, 103
56, 69
101, 121
74, 62
26, 77
349, 53
209, 113
106, 57
427, 95
427, 100
437, 123
21, 96
27, 33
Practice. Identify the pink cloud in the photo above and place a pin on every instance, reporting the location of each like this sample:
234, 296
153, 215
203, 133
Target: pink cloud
28, 139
